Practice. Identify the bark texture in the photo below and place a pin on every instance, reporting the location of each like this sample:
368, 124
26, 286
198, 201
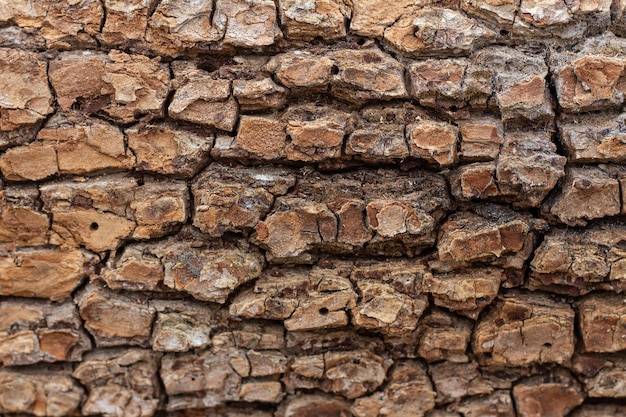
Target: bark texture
312, 208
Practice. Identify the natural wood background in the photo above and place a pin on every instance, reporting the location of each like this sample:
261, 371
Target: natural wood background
292, 208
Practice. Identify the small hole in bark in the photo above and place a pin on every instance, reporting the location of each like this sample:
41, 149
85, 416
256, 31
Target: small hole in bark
334, 70
360, 42
323, 311
453, 108
94, 226
504, 32
547, 345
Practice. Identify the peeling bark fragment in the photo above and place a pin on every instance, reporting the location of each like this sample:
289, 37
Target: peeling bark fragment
608, 379
123, 87
182, 325
467, 292
25, 98
575, 263
266, 363
21, 221
364, 75
439, 82
498, 236
430, 31
310, 405
248, 335
379, 132
301, 70
305, 372
475, 181
378, 143
115, 319
62, 25
203, 380
592, 77
175, 332
102, 212
452, 84
202, 99
381, 212
408, 392
39, 392
390, 218
246, 24
160, 208
33, 162
264, 392
120, 382
205, 272
481, 139
523, 329
260, 138
603, 322
349, 373
180, 25
543, 19
316, 132
457, 381
501, 13
443, 336
307, 20
296, 228
40, 331
79, 227
498, 404
521, 91
528, 168
259, 94
551, 396
496, 77
383, 309
136, 269
594, 138
234, 198
372, 17
20, 38
304, 299
435, 142
166, 150
126, 22
566, 20
85, 145
588, 193
29, 163
43, 273
319, 342
391, 300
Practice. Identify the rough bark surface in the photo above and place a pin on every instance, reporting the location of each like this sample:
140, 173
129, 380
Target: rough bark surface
312, 208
